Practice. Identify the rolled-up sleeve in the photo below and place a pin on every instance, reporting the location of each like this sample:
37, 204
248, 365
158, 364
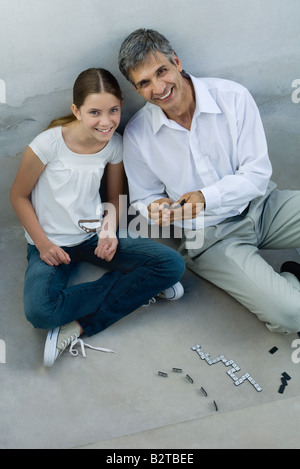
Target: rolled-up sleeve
253, 167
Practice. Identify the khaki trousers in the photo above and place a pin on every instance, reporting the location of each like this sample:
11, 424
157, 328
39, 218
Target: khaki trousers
230, 259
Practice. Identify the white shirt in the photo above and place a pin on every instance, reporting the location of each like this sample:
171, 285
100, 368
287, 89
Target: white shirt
66, 196
224, 154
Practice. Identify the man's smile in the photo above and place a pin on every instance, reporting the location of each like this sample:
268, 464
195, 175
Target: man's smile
166, 95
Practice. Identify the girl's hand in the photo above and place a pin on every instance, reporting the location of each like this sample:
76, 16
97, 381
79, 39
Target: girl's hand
53, 255
107, 245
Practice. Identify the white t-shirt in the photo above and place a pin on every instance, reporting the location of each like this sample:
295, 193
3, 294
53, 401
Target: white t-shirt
66, 196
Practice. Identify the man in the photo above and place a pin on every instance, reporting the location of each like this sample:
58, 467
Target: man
199, 142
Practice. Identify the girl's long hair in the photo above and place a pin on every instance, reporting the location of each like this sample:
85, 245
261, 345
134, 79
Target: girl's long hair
90, 81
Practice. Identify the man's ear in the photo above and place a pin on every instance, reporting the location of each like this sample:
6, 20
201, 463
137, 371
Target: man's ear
178, 62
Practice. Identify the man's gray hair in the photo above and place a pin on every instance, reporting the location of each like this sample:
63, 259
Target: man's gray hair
136, 47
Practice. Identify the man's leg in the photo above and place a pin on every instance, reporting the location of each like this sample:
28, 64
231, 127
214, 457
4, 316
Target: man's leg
279, 223
233, 263
239, 269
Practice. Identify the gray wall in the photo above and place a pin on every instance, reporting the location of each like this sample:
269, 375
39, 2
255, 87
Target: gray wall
45, 44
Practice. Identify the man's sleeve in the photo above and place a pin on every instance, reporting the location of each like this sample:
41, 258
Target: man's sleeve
144, 185
253, 167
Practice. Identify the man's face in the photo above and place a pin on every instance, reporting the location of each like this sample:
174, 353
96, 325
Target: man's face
159, 81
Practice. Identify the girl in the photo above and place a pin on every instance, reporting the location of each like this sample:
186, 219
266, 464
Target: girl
56, 197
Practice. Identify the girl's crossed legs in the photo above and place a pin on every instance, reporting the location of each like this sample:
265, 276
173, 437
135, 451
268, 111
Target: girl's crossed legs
140, 269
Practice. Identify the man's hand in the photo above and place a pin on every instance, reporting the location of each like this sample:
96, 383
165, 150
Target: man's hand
165, 211
159, 210
107, 245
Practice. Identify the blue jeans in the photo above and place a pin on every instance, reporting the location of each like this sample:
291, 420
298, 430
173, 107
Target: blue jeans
140, 269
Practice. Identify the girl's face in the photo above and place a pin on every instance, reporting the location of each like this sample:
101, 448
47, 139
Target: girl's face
99, 116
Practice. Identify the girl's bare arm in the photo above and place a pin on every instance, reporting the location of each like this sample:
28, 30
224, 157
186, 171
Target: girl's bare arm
28, 173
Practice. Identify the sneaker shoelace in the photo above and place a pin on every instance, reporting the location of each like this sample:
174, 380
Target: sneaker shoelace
82, 344
64, 344
152, 300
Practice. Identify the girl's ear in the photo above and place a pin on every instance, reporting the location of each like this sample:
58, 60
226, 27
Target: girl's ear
76, 111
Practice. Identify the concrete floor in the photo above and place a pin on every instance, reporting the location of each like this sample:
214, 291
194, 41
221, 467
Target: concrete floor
118, 401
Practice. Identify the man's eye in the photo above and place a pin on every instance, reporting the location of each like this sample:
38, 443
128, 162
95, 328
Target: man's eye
143, 84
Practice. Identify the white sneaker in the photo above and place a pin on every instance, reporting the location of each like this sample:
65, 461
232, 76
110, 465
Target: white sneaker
58, 340
173, 293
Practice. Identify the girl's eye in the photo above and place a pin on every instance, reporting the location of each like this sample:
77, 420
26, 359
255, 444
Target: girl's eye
114, 110
94, 113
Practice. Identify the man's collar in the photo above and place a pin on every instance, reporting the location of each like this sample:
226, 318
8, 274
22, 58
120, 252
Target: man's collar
204, 103
204, 100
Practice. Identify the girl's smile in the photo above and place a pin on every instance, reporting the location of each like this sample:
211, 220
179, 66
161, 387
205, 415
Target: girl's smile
98, 118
